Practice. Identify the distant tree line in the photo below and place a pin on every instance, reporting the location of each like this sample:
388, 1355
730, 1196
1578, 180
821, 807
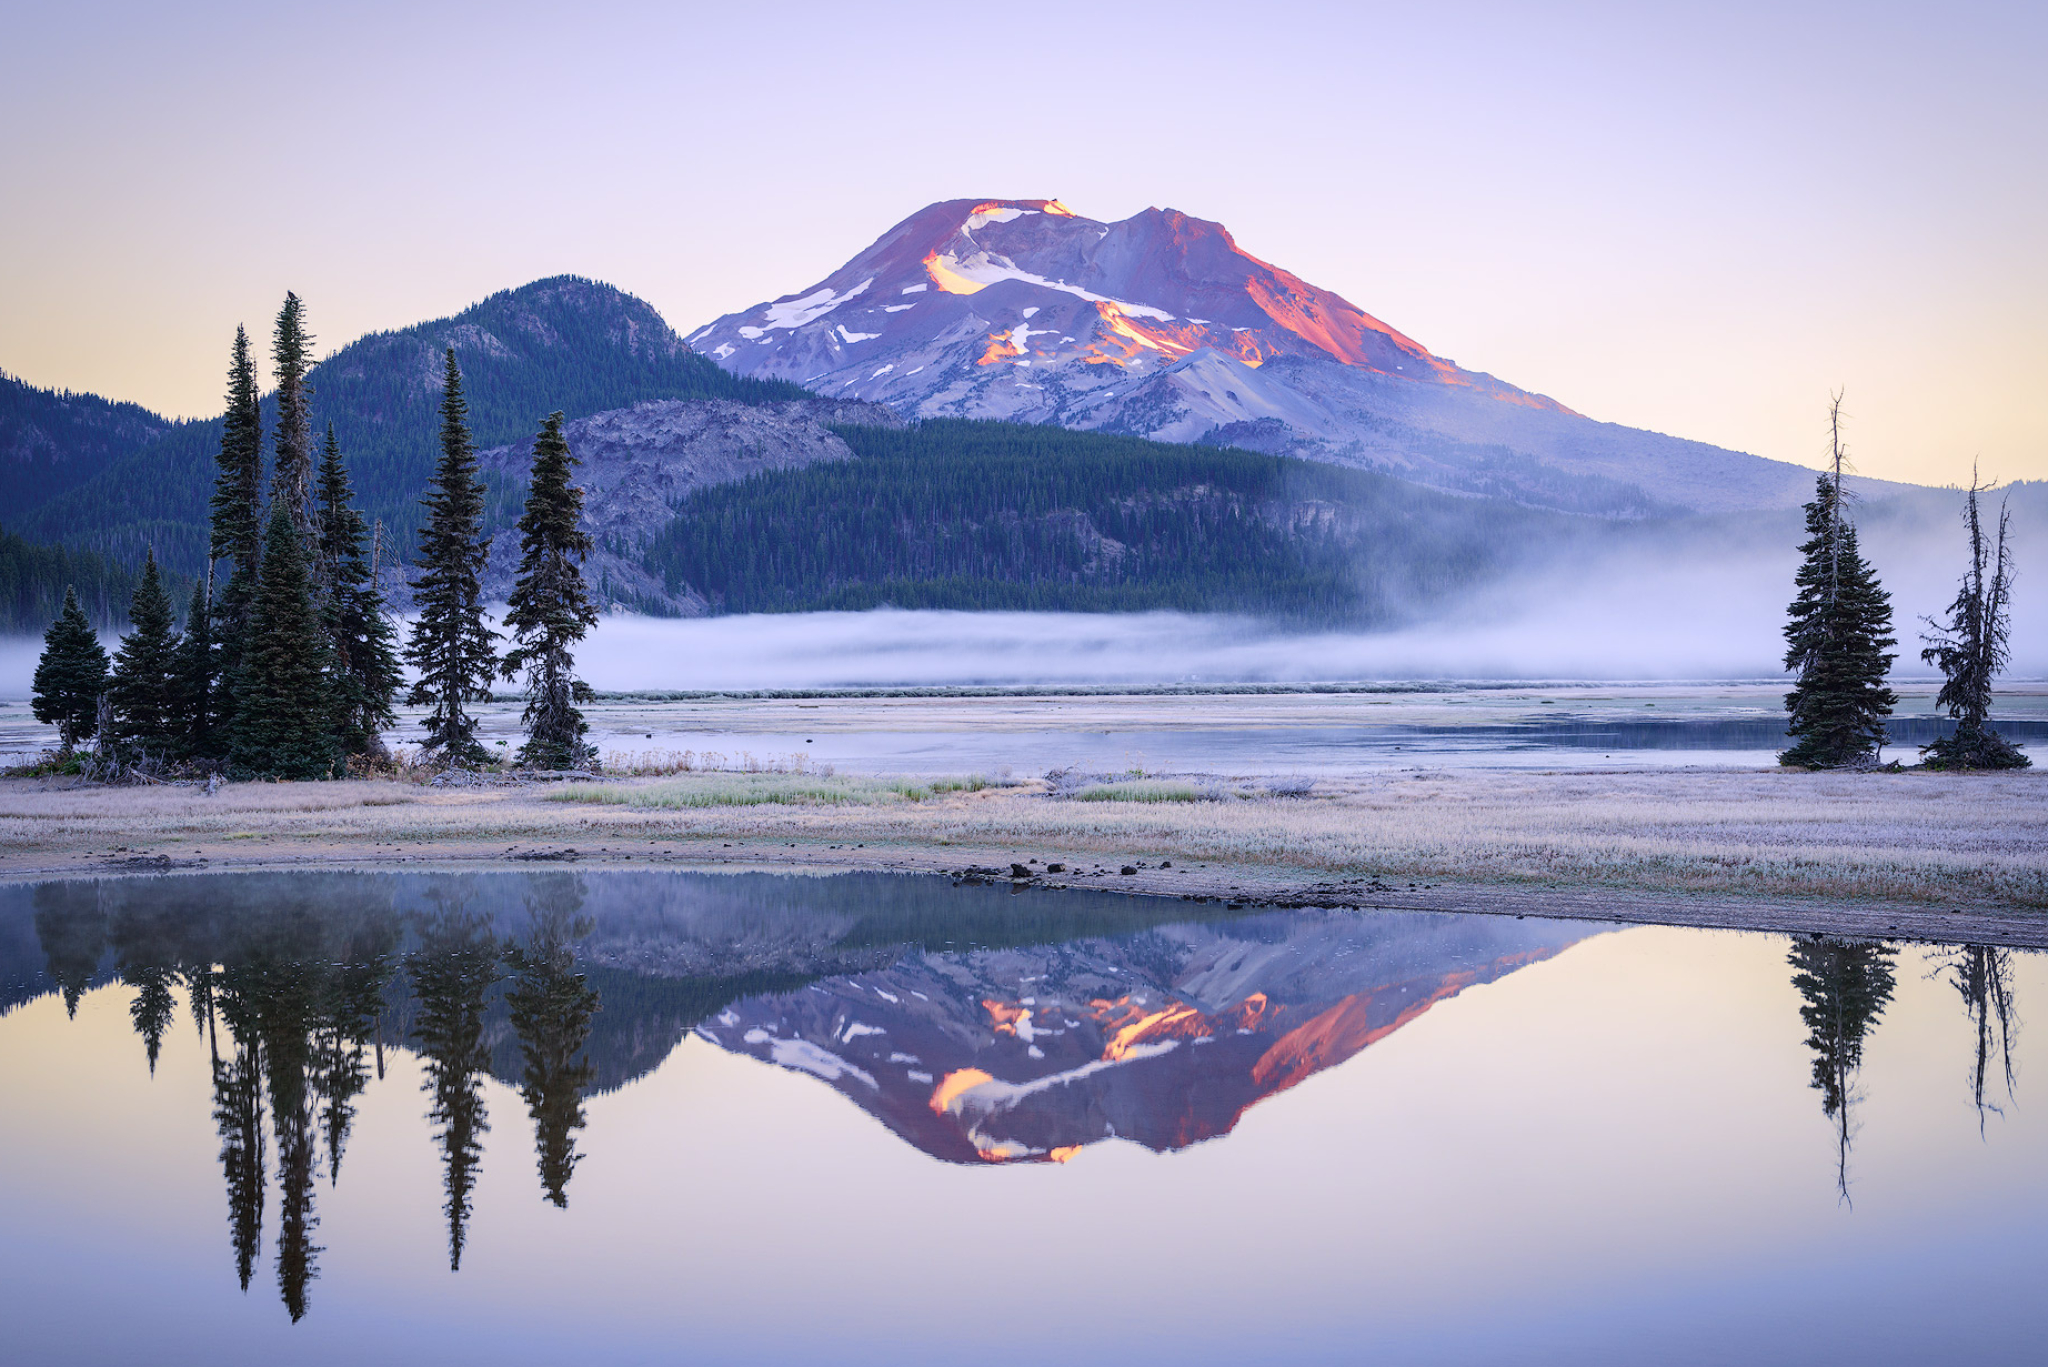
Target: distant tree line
288, 664
986, 515
1839, 641
33, 578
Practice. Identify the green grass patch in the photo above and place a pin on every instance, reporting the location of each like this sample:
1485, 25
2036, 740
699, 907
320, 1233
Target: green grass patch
1140, 790
756, 790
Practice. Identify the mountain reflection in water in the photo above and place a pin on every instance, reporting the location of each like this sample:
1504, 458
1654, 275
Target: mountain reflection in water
979, 1025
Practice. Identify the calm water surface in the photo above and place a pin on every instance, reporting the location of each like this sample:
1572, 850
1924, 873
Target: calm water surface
621, 1117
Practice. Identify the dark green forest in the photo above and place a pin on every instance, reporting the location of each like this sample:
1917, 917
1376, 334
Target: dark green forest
985, 515
33, 578
563, 343
53, 440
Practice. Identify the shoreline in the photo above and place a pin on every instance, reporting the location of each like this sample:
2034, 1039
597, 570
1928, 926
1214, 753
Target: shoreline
1911, 856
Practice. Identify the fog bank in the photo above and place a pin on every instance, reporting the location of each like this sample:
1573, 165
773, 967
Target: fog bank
1700, 601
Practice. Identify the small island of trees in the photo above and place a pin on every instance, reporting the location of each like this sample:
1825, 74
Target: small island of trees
288, 663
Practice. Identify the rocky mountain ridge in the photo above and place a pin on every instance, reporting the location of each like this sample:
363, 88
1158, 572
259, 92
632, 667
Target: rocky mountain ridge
638, 463
1162, 326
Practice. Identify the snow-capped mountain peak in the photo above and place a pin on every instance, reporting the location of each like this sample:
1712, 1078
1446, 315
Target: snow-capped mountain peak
1160, 325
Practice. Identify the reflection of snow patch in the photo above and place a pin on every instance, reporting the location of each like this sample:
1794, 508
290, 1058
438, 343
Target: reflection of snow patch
727, 1019
808, 1057
855, 1030
795, 313
919, 1077
995, 1094
904, 1058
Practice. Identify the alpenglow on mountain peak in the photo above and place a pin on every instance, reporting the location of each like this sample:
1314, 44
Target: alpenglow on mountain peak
1015, 286
1161, 326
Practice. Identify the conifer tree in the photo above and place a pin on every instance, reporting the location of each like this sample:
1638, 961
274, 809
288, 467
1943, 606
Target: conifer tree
193, 680
451, 646
70, 676
1837, 637
283, 726
237, 513
291, 479
550, 607
1971, 648
143, 690
364, 645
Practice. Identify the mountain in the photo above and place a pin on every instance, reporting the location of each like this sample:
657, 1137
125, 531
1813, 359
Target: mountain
1162, 326
563, 343
640, 464
53, 440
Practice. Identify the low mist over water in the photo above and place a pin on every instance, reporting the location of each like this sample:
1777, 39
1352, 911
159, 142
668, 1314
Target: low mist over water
1709, 608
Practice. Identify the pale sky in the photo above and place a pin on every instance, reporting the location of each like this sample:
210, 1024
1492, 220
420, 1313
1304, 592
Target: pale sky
1696, 219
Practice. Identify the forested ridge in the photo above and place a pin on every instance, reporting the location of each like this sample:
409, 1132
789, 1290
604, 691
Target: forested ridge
565, 343
33, 578
987, 515
53, 440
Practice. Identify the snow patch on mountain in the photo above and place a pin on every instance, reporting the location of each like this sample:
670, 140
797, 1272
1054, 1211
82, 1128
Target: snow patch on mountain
794, 313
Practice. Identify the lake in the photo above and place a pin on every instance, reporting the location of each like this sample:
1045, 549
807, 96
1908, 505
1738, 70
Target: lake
550, 1116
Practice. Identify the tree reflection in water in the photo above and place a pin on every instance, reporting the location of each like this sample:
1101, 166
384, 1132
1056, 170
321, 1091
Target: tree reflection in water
551, 1010
296, 983
1845, 985
452, 971
1983, 977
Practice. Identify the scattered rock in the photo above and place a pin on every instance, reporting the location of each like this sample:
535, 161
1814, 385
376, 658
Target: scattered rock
1127, 870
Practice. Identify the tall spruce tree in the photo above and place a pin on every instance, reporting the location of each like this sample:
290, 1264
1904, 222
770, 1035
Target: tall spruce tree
193, 676
283, 722
1837, 637
451, 646
143, 691
291, 478
1971, 649
550, 607
70, 676
365, 670
237, 513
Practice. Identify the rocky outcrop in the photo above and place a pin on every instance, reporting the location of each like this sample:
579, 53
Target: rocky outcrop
639, 463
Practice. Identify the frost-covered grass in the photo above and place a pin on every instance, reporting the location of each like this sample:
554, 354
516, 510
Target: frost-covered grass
1918, 837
